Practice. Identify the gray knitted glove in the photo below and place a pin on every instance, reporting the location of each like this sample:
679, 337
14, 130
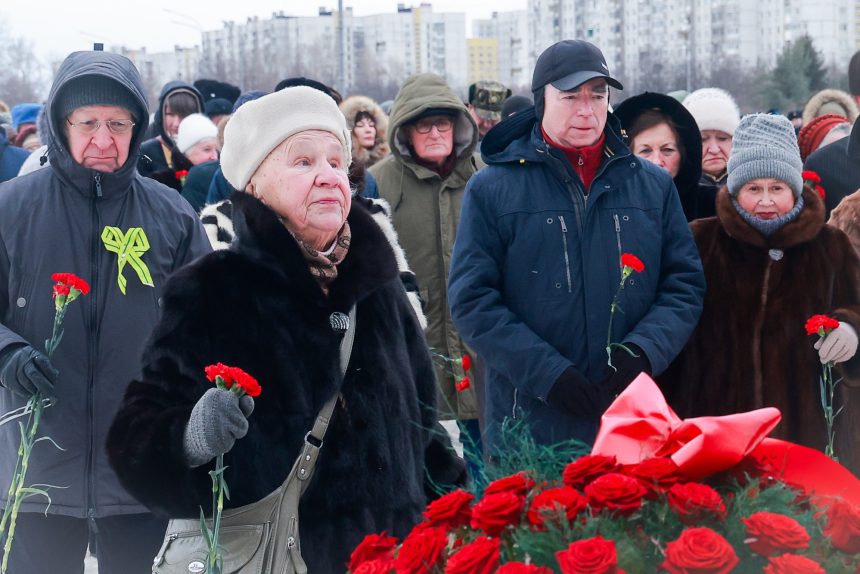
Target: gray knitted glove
217, 420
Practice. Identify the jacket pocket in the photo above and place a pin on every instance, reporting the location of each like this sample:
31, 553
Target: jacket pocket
20, 302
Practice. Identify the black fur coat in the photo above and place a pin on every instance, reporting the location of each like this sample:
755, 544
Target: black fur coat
750, 348
257, 307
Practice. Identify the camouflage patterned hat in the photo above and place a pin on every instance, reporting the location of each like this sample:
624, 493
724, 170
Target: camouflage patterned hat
487, 99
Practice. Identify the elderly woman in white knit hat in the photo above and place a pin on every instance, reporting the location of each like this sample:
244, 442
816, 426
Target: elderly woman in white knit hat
198, 139
717, 116
771, 263
308, 269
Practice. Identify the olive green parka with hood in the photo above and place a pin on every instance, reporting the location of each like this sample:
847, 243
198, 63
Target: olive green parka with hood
425, 212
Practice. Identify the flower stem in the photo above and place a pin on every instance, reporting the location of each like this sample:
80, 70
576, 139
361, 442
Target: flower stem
828, 389
612, 309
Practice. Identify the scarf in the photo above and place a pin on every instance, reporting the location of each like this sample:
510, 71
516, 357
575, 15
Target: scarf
585, 160
768, 227
323, 266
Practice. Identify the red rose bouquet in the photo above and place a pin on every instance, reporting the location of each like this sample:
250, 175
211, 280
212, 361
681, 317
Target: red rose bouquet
671, 511
67, 287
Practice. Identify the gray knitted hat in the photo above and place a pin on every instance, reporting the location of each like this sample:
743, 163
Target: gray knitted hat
764, 145
95, 91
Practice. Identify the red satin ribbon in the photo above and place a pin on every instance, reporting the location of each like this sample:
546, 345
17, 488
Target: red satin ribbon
640, 425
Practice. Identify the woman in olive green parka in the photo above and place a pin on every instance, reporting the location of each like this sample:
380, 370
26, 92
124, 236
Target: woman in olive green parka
425, 190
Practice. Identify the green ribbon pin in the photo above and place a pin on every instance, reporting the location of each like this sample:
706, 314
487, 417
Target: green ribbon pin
129, 247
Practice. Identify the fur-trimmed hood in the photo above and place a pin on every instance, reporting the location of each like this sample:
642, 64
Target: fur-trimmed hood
350, 108
813, 107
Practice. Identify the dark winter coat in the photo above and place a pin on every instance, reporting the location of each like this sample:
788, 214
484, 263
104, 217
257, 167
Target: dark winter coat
197, 183
838, 164
152, 159
11, 158
52, 221
256, 306
750, 349
706, 200
536, 265
426, 211
687, 180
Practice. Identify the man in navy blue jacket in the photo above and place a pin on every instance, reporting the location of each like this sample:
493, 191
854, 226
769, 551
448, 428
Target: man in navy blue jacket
536, 262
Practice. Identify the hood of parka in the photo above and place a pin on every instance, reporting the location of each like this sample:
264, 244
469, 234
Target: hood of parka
418, 94
119, 69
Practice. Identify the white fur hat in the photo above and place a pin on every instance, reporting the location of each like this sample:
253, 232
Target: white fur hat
713, 109
194, 129
261, 125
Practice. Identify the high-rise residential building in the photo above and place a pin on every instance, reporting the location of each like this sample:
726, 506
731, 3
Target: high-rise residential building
483, 59
158, 68
377, 48
511, 30
680, 41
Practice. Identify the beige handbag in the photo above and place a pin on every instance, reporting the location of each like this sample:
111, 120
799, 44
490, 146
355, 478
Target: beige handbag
263, 537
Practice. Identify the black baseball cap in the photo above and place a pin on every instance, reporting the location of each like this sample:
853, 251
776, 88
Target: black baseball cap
570, 63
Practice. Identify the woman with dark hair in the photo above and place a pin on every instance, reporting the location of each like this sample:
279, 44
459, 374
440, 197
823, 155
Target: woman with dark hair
660, 130
160, 159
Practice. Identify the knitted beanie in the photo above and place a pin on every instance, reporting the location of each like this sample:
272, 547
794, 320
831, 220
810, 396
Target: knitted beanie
95, 91
261, 125
194, 129
764, 145
713, 109
810, 135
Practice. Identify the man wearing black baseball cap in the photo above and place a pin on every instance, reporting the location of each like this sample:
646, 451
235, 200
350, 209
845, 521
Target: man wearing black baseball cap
536, 262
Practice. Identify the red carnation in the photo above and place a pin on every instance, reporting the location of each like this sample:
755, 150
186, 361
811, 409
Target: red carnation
463, 384
694, 502
618, 493
821, 193
820, 325
586, 468
181, 174
810, 175
843, 527
519, 483
792, 564
655, 474
633, 262
466, 362
479, 557
592, 556
699, 551
498, 511
60, 290
73, 281
769, 533
378, 566
421, 551
520, 568
373, 547
230, 376
554, 502
452, 510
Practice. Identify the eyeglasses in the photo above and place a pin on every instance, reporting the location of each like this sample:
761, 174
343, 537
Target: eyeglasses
90, 127
443, 124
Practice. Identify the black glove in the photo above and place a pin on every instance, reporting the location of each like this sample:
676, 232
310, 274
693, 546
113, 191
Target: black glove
576, 395
25, 371
627, 368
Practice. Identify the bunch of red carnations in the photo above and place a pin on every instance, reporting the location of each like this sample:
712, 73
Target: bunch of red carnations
600, 517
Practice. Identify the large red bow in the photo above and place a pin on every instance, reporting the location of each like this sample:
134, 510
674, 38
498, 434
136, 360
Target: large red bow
640, 425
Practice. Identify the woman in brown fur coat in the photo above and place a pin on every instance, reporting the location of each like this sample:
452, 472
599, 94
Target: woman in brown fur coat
368, 125
771, 263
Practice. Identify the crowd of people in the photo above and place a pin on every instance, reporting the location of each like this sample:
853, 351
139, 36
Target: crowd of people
473, 247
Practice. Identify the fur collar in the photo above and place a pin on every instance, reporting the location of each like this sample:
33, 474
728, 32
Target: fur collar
803, 229
369, 264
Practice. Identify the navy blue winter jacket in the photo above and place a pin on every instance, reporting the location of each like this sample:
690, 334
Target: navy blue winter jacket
536, 264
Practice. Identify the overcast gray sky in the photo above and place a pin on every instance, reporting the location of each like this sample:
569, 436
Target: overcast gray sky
57, 27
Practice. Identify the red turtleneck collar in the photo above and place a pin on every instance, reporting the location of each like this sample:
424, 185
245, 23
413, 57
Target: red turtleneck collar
585, 160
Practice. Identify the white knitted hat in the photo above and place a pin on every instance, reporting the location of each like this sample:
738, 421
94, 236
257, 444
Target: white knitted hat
765, 146
194, 129
713, 109
261, 125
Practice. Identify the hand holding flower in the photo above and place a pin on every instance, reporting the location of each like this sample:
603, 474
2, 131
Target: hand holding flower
838, 346
218, 419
